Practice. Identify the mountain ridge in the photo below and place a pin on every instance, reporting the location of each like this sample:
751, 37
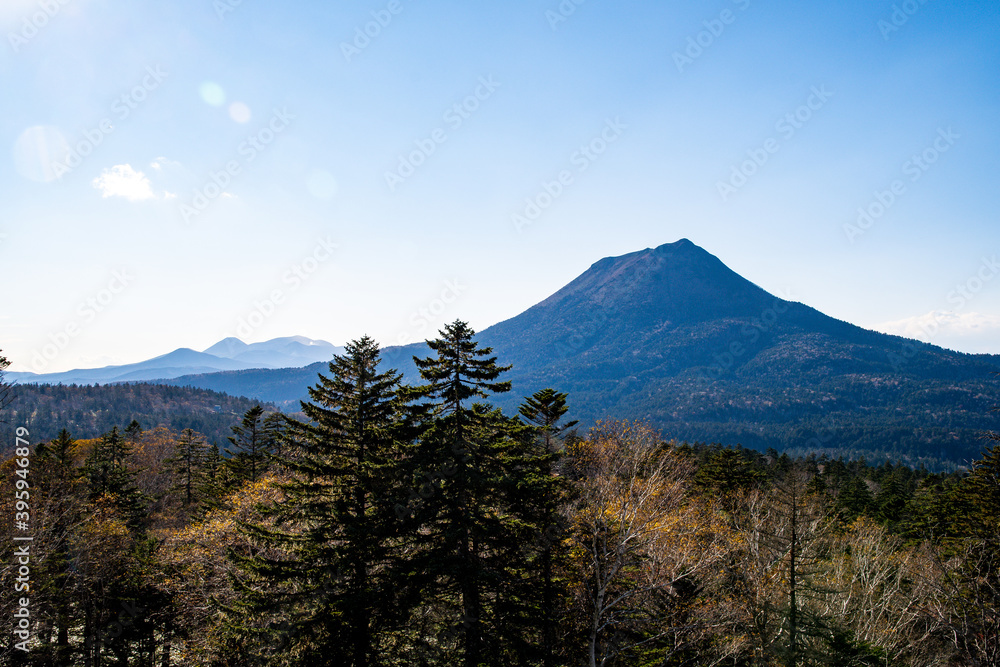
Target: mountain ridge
229, 354
672, 336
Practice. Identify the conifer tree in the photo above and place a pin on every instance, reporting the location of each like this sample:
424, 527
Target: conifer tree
133, 434
110, 576
984, 492
55, 463
891, 497
252, 444
57, 483
544, 411
332, 594
979, 604
727, 472
480, 478
787, 534
187, 466
967, 581
275, 432
855, 499
108, 474
5, 388
216, 480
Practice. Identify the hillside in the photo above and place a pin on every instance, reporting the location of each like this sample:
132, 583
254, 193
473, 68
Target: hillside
89, 411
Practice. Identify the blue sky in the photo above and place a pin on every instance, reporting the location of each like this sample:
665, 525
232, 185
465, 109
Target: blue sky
175, 173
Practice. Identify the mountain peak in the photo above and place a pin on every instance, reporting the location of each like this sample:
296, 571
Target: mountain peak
677, 282
680, 244
227, 347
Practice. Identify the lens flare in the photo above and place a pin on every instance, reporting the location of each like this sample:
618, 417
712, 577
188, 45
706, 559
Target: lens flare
239, 112
212, 93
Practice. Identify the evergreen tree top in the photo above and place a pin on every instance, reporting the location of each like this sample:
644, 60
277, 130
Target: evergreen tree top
354, 385
461, 370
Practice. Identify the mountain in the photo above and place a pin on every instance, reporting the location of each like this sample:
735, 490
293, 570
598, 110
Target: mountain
290, 352
226, 355
673, 336
179, 362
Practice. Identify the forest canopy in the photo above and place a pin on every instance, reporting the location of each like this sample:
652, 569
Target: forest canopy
395, 524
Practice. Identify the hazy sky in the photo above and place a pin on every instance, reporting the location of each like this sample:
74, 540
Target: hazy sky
175, 173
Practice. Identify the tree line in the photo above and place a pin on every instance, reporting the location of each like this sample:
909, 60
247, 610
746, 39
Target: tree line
420, 525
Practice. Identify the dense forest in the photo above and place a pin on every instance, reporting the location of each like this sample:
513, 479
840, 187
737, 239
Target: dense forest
395, 524
88, 411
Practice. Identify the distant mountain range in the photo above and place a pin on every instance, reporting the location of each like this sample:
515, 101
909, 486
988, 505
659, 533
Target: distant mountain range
673, 336
229, 354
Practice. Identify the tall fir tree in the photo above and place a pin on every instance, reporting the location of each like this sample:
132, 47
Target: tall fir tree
187, 466
276, 432
544, 411
111, 579
980, 599
790, 534
216, 479
892, 497
332, 591
253, 443
983, 492
109, 474
726, 473
57, 484
855, 498
478, 473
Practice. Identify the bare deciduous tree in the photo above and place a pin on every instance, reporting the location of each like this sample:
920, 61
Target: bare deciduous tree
635, 537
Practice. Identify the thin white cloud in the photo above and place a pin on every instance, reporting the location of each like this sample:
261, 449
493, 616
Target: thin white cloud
122, 180
971, 331
161, 162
